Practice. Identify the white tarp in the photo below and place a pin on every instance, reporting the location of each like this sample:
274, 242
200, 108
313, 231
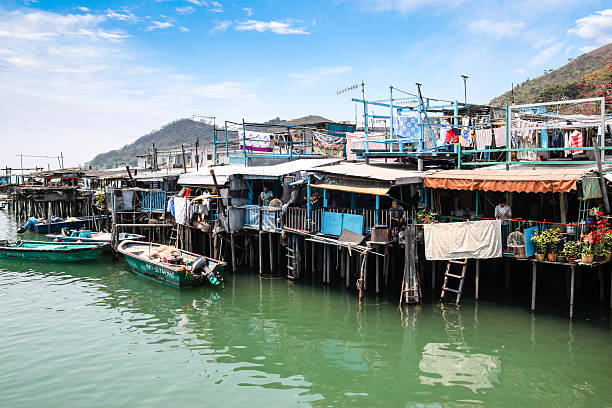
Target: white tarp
461, 240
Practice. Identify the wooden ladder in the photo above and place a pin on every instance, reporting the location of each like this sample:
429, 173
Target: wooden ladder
292, 259
174, 236
448, 274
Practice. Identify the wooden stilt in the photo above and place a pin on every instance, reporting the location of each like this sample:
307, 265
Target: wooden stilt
571, 311
601, 284
377, 274
347, 273
260, 254
534, 271
233, 252
477, 279
271, 245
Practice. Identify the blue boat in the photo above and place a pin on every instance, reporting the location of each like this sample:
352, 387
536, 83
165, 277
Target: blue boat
57, 224
89, 236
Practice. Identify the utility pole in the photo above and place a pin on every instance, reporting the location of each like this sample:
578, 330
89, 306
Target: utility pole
465, 77
365, 115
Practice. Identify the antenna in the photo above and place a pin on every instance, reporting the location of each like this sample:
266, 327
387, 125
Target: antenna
347, 89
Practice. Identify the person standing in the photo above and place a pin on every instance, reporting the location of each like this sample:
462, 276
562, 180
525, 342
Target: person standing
265, 197
503, 212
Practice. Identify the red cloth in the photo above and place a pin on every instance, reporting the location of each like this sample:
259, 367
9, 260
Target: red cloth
451, 137
575, 140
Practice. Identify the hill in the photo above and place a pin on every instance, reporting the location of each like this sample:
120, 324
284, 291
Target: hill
173, 134
562, 83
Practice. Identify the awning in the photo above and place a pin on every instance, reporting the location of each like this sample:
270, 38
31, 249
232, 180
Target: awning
394, 174
353, 189
550, 180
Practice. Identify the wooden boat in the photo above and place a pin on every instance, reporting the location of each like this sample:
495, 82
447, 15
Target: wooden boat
51, 251
89, 236
70, 223
171, 266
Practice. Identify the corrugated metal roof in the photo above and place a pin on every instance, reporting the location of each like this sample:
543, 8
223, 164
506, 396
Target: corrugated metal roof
203, 177
398, 176
160, 174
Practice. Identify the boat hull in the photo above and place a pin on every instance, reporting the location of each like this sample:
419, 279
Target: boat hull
43, 228
171, 275
54, 253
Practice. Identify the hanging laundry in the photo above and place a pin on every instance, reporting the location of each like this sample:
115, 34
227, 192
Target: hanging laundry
524, 136
452, 136
576, 140
483, 138
407, 128
170, 206
257, 141
181, 210
500, 136
328, 145
442, 136
544, 136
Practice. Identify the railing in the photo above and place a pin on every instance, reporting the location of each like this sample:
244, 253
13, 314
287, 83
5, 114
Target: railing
259, 217
154, 201
297, 219
570, 230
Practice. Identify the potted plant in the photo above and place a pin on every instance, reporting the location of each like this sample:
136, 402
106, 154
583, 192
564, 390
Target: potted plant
571, 250
606, 244
590, 242
554, 237
539, 240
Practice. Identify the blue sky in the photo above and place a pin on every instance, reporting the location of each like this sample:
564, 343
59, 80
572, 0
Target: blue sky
83, 77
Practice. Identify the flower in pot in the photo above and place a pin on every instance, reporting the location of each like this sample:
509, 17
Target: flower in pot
554, 238
589, 247
539, 240
571, 250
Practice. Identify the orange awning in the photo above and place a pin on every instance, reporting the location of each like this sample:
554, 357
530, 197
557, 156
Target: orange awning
559, 180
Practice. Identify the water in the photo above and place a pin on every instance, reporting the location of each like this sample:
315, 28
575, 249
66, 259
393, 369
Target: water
98, 336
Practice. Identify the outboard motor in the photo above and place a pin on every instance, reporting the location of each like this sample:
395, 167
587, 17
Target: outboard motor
201, 270
66, 231
28, 225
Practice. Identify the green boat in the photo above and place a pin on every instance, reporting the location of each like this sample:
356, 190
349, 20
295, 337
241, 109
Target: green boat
171, 266
51, 251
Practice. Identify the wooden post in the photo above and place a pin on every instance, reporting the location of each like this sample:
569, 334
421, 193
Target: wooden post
271, 245
347, 274
260, 254
507, 273
562, 208
49, 215
377, 273
233, 252
386, 266
534, 271
477, 279
571, 309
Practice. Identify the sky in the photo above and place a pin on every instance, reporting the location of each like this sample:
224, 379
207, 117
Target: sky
83, 77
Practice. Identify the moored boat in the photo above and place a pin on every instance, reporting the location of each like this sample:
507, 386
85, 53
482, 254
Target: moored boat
51, 251
57, 224
90, 236
171, 266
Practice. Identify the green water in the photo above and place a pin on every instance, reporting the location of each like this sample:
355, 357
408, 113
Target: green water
98, 336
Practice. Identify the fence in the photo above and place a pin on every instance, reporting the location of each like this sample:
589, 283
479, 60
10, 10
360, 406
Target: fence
154, 201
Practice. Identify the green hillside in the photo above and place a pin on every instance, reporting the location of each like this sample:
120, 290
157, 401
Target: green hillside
562, 83
173, 134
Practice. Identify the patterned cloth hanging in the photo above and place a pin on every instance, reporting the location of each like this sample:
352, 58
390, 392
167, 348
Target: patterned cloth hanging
328, 145
257, 141
407, 128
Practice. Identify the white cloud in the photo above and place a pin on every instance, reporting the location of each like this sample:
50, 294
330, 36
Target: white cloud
520, 71
215, 7
318, 74
221, 26
197, 2
249, 11
497, 29
185, 10
83, 9
159, 25
547, 54
595, 27
277, 27
183, 29
121, 15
